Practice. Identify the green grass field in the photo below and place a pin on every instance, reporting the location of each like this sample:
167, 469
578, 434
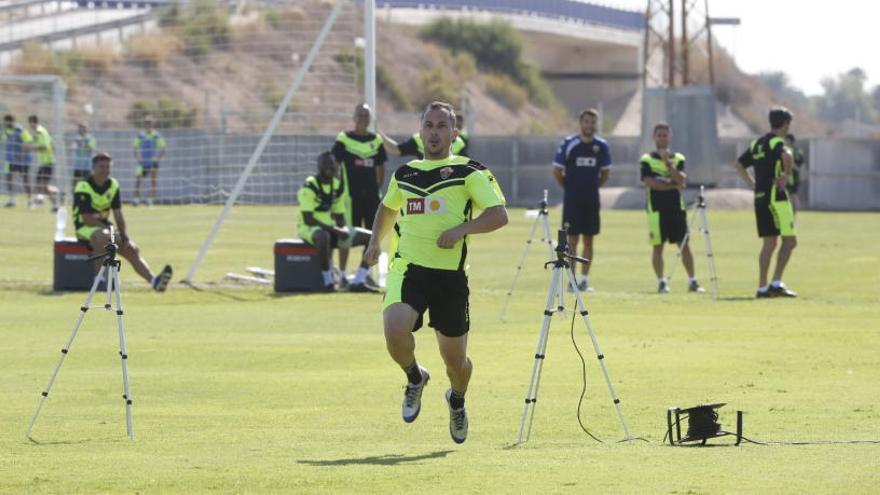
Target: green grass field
245, 391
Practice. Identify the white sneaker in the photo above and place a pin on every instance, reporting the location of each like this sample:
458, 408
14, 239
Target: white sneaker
32, 203
10, 203
663, 287
458, 421
412, 397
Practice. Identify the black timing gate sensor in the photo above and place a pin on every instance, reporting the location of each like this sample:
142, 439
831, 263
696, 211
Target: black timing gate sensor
702, 424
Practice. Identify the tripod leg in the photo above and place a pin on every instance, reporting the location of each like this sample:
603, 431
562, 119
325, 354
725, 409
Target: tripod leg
710, 256
66, 349
528, 414
126, 392
601, 357
687, 236
519, 266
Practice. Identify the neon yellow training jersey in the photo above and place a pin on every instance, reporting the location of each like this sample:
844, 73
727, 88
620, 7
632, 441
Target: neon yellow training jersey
432, 197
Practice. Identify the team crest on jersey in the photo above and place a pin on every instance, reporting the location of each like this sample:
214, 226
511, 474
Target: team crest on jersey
585, 161
445, 172
425, 206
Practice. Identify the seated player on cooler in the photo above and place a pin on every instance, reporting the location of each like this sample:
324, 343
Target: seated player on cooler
322, 222
93, 199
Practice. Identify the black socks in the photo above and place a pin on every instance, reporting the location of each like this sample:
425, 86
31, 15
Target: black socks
456, 400
413, 373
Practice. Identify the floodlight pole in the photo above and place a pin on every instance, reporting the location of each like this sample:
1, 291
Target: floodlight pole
370, 58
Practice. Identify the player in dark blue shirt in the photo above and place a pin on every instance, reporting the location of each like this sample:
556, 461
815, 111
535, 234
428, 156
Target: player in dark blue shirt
581, 166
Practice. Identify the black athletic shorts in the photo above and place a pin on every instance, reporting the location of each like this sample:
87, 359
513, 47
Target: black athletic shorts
668, 226
44, 172
774, 218
16, 167
310, 238
443, 293
580, 218
363, 211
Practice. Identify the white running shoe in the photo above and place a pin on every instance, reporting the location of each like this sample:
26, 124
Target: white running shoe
458, 421
10, 203
160, 281
663, 287
582, 287
412, 397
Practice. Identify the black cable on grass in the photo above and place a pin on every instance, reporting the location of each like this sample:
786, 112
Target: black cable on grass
584, 379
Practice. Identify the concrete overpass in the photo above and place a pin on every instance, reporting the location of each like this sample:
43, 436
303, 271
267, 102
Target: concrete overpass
590, 54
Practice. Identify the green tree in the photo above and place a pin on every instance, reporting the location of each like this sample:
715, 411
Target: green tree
780, 83
846, 98
496, 46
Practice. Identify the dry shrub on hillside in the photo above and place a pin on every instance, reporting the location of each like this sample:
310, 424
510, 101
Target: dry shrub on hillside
285, 17
98, 59
36, 59
153, 49
506, 91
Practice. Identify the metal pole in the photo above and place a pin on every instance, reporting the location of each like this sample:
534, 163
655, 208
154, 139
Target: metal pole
59, 94
709, 40
670, 46
264, 141
685, 66
370, 58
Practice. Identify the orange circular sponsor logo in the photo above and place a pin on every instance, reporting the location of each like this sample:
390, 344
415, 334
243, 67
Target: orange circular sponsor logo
435, 205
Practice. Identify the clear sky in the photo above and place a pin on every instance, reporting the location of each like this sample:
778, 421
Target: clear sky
807, 39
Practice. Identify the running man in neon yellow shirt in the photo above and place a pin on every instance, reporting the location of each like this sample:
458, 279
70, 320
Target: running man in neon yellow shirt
435, 199
44, 149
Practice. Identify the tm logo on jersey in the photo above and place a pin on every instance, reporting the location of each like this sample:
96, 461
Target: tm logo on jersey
425, 206
585, 161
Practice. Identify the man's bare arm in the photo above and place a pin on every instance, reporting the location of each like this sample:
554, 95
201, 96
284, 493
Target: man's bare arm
559, 175
491, 219
744, 174
382, 224
658, 185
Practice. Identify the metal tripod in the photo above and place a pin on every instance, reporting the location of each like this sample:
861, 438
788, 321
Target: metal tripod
544, 218
110, 269
562, 267
699, 210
